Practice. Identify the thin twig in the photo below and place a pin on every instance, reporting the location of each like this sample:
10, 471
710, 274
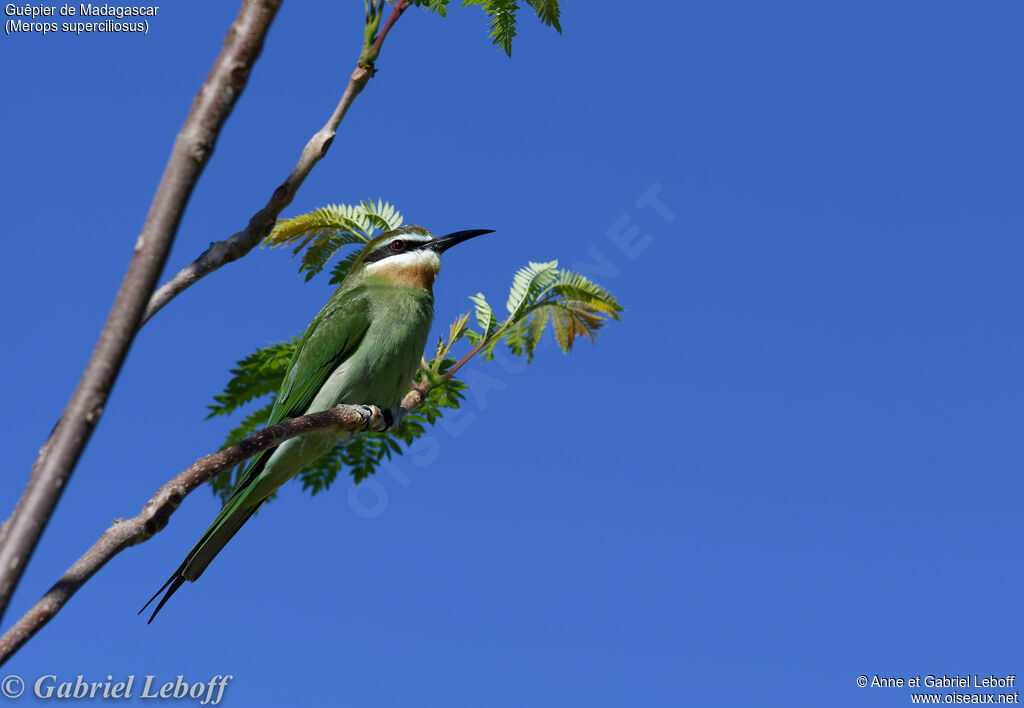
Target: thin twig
458, 365
192, 150
262, 222
396, 12
157, 511
484, 341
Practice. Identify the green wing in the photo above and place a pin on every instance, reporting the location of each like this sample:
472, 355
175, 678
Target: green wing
331, 338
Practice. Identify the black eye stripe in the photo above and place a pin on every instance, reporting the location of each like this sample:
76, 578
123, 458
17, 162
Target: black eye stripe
398, 246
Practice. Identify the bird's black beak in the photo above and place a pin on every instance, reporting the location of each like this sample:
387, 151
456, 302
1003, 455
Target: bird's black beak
443, 243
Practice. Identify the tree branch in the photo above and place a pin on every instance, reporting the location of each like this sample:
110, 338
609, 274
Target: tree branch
370, 54
262, 222
157, 511
461, 362
484, 341
192, 150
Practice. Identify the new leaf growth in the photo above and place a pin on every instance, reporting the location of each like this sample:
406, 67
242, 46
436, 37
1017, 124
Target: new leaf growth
541, 293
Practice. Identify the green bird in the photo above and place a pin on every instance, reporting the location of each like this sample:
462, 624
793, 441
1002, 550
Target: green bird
363, 347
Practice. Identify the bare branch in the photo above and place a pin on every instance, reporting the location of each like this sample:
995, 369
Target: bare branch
57, 458
192, 150
262, 222
157, 511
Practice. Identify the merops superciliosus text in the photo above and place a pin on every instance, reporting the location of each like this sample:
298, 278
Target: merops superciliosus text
363, 347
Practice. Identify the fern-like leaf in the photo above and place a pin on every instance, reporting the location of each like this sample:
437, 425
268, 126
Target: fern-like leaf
382, 216
548, 12
361, 455
528, 283
254, 421
256, 375
503, 23
321, 233
342, 267
438, 6
535, 330
540, 293
523, 337
502, 14
574, 286
485, 318
251, 423
572, 319
457, 329
319, 476
329, 220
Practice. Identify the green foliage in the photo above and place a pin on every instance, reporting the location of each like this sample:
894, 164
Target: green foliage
361, 455
503, 15
342, 267
256, 375
485, 318
456, 331
322, 232
540, 294
548, 12
528, 283
438, 6
255, 420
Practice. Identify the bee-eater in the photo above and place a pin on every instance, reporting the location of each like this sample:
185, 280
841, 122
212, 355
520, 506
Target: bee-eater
364, 347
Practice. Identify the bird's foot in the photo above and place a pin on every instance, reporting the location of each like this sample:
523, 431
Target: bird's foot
392, 418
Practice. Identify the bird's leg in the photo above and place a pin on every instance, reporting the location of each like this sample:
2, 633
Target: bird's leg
393, 418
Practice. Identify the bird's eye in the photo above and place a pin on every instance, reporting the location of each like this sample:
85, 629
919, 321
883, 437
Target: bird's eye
398, 245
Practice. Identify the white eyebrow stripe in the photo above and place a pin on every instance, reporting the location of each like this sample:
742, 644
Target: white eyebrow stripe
413, 237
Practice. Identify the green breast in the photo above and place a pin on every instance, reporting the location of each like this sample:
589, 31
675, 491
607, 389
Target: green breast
383, 366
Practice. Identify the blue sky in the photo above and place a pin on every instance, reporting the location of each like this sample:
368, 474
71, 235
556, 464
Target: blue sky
795, 461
